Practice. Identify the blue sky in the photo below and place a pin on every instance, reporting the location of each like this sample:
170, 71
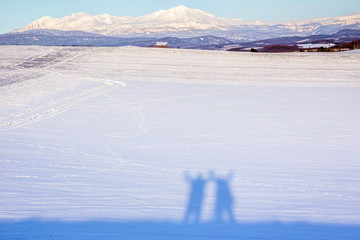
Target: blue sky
18, 13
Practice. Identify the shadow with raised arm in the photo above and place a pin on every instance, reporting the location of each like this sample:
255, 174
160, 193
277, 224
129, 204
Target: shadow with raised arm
196, 197
224, 201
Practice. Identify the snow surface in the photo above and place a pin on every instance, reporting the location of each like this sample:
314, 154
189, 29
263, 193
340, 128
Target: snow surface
95, 143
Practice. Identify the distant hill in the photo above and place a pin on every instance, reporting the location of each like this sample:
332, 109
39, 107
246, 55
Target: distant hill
79, 38
48, 37
312, 41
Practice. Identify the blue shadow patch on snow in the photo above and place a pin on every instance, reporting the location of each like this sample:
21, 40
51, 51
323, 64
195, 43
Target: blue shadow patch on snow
223, 209
79, 230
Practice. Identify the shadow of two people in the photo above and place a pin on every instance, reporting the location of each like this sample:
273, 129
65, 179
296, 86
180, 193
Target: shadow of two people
223, 208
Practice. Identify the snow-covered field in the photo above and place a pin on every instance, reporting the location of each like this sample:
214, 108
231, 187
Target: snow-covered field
97, 141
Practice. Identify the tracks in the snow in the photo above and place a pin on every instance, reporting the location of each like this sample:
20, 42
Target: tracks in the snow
51, 108
43, 65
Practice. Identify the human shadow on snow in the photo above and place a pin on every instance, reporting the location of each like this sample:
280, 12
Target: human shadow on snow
223, 208
196, 197
222, 226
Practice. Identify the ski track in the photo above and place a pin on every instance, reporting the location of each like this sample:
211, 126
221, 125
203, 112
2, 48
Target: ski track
135, 109
44, 64
49, 109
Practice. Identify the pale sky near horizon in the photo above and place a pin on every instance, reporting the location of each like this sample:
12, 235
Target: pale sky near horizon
18, 13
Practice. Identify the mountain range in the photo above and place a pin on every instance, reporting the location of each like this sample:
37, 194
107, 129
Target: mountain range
182, 27
185, 22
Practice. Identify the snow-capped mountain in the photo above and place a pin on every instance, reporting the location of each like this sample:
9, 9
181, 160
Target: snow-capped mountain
173, 20
182, 21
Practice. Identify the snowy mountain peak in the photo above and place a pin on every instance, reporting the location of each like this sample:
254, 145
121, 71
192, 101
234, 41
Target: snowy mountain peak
181, 13
178, 10
40, 23
79, 15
